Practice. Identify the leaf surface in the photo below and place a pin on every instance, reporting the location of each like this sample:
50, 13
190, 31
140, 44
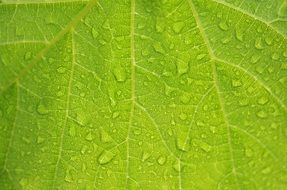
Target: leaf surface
141, 94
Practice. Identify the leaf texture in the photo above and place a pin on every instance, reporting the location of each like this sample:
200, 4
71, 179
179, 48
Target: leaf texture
143, 94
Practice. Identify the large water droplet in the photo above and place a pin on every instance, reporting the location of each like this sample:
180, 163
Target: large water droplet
105, 157
119, 73
94, 33
177, 27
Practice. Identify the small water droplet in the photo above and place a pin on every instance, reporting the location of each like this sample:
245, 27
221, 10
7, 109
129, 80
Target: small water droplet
268, 40
262, 100
94, 33
255, 58
183, 116
145, 52
261, 114
178, 26
84, 149
105, 137
145, 156
28, 55
185, 98
205, 146
106, 157
40, 140
200, 56
248, 152
72, 131
275, 56
61, 70
223, 26
181, 144
119, 73
89, 137
259, 44
116, 114
158, 48
239, 34
236, 83
177, 166
42, 109
182, 67
266, 170
161, 160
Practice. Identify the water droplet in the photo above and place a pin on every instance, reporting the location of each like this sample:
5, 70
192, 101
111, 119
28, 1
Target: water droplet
145, 52
266, 170
105, 157
42, 109
40, 140
185, 98
183, 116
205, 146
268, 40
106, 25
158, 48
105, 137
200, 56
275, 56
61, 70
72, 131
177, 27
262, 100
261, 114
84, 149
161, 160
94, 33
137, 132
239, 34
223, 26
182, 67
248, 152
145, 156
28, 55
181, 144
119, 73
259, 44
255, 58
177, 166
89, 137
236, 83
116, 114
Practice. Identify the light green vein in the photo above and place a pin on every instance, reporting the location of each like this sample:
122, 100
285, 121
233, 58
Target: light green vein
226, 122
133, 78
57, 38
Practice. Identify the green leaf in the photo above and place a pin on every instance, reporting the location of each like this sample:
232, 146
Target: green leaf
143, 94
